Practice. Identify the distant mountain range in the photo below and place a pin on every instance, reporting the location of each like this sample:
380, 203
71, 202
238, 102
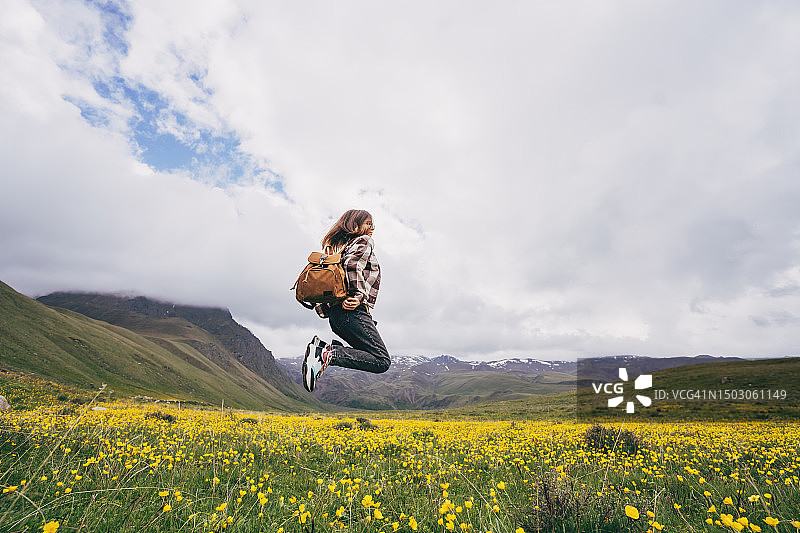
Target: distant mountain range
447, 363
607, 368
415, 382
440, 382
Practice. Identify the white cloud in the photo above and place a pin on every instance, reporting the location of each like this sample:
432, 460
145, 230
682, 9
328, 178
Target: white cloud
547, 180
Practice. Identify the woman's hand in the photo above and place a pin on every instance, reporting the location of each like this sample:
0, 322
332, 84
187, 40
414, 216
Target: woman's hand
350, 303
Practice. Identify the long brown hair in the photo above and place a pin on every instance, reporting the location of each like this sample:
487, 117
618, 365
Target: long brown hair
347, 228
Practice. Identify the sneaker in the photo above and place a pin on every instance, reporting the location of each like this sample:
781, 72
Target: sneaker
313, 365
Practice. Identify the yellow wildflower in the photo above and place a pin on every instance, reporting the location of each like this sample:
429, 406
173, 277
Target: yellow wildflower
632, 512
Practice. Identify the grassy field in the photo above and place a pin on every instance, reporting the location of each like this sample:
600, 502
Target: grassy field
750, 382
154, 467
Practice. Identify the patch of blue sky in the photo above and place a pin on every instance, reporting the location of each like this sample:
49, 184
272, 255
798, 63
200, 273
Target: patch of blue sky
207, 155
97, 117
168, 140
113, 89
117, 19
198, 79
163, 137
164, 151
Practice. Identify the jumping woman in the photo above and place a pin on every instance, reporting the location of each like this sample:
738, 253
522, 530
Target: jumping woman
350, 319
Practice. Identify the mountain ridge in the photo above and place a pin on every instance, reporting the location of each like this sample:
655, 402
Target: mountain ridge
163, 360
127, 312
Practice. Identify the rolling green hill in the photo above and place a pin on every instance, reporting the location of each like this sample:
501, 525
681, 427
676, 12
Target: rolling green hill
748, 376
732, 390
211, 331
175, 359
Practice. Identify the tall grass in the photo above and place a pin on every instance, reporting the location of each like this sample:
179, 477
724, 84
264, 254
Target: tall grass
155, 468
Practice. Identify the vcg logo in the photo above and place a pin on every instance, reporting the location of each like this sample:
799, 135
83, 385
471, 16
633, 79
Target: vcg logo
644, 381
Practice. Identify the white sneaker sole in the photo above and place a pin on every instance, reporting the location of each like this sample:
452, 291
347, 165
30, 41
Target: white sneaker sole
309, 378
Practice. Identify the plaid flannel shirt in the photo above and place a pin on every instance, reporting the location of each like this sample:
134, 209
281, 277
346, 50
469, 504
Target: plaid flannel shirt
362, 272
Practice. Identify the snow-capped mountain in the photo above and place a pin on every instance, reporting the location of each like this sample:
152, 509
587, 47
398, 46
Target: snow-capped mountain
450, 363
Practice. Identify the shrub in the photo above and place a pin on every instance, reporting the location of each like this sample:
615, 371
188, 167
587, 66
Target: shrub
601, 438
365, 423
166, 417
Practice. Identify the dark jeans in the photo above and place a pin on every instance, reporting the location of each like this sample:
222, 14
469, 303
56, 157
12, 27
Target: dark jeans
357, 328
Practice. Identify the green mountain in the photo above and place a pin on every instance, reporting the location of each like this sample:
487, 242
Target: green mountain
759, 389
751, 377
211, 331
763, 389
167, 357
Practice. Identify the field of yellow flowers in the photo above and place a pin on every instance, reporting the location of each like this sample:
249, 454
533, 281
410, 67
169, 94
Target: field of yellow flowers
67, 467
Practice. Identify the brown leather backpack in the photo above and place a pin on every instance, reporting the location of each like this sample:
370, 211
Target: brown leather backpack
321, 281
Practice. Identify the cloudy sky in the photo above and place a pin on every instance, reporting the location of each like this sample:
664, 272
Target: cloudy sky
547, 179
